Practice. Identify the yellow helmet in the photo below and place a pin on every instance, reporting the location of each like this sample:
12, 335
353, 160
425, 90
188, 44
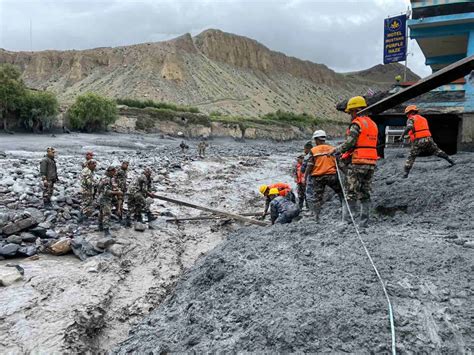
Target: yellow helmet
263, 188
274, 191
355, 102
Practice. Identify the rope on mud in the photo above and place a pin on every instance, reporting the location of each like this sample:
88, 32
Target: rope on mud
390, 309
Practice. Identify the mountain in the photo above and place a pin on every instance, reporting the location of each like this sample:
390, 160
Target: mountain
215, 71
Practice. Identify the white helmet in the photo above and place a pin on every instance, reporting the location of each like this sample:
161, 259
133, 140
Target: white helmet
320, 134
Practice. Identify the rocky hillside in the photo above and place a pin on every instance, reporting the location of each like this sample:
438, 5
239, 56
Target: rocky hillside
215, 71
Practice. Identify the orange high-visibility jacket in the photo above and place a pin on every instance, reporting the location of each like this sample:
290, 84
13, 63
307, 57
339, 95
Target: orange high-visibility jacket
365, 151
299, 174
282, 187
323, 164
420, 128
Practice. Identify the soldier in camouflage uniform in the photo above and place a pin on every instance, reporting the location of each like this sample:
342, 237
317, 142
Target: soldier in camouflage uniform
107, 190
140, 189
88, 189
361, 146
49, 175
89, 156
422, 142
121, 181
202, 148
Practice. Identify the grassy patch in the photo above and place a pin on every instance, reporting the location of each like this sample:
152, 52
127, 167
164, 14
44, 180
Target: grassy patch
159, 105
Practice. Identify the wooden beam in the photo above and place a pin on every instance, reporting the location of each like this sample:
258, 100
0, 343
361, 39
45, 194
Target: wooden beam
444, 76
212, 210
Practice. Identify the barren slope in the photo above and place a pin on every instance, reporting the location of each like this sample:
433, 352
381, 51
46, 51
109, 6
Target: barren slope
215, 71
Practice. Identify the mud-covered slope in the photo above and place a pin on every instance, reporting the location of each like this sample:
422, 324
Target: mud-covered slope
308, 287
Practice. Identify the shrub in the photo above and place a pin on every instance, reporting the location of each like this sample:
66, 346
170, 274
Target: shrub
38, 110
154, 104
92, 112
12, 90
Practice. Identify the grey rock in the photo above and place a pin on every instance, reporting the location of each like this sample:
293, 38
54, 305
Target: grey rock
104, 243
45, 225
9, 275
16, 239
50, 233
140, 227
27, 251
18, 226
9, 250
39, 232
28, 237
469, 244
116, 250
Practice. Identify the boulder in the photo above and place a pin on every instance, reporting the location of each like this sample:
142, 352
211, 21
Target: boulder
50, 233
9, 275
27, 251
28, 237
61, 247
17, 226
9, 250
38, 232
140, 227
15, 239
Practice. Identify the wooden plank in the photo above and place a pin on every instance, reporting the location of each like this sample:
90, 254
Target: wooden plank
212, 210
444, 76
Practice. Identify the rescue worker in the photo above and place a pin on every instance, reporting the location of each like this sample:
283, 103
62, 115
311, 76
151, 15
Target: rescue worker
361, 144
89, 156
184, 147
420, 136
121, 182
282, 210
88, 189
202, 148
106, 191
321, 172
284, 190
49, 175
307, 154
140, 189
300, 181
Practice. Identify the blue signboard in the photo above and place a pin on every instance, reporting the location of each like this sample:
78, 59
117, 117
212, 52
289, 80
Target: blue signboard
395, 39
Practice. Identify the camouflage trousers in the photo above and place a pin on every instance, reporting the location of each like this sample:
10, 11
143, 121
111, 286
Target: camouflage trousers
359, 181
105, 211
48, 191
87, 203
202, 152
301, 190
425, 146
315, 190
137, 204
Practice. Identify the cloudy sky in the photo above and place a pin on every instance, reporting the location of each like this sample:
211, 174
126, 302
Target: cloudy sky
346, 35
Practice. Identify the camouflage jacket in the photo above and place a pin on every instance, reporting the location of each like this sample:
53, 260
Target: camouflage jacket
141, 185
48, 169
105, 188
121, 180
88, 181
351, 139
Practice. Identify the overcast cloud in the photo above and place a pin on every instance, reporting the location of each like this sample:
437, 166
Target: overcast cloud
344, 35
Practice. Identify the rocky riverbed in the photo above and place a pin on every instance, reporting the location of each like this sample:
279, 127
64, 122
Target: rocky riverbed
90, 305
215, 285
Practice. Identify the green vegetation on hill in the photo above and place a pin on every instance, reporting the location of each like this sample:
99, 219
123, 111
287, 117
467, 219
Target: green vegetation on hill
157, 105
19, 106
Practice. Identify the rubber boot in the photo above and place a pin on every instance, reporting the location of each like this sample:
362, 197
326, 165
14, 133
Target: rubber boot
150, 217
364, 213
346, 217
101, 226
107, 232
127, 222
450, 161
406, 172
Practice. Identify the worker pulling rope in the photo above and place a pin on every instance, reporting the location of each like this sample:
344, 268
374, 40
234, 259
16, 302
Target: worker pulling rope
390, 309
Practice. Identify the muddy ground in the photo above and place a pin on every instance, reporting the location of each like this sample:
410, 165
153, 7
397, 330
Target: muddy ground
64, 304
221, 286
